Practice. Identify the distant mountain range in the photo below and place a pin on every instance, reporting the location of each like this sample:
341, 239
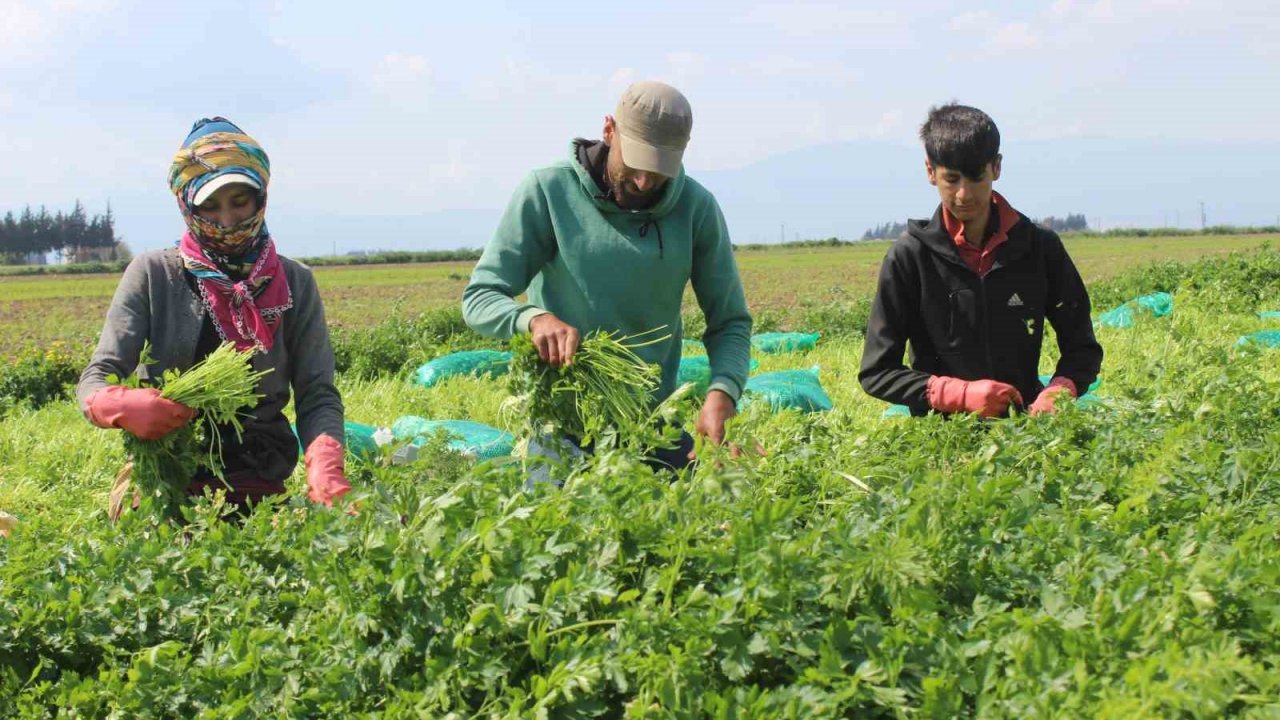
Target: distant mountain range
842, 189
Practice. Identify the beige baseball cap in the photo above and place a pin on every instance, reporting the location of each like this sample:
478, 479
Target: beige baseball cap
654, 121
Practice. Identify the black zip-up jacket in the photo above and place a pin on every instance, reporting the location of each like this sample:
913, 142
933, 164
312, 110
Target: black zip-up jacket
972, 328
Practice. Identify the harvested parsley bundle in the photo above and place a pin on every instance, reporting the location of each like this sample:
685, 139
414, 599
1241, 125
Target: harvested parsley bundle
220, 388
602, 398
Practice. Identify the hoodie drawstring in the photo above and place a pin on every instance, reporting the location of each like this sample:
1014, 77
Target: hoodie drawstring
644, 230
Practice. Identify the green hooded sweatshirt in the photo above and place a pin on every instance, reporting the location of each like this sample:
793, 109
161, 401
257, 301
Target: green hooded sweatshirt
597, 266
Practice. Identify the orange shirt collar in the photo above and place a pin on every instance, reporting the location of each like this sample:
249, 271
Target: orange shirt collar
980, 260
1007, 217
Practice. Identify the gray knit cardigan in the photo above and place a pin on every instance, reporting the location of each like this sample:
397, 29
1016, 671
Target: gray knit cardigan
155, 302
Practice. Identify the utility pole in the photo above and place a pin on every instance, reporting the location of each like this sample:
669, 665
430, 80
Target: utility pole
1202, 216
782, 233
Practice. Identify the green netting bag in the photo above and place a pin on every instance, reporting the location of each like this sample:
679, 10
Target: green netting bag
1159, 304
477, 363
894, 411
693, 346
359, 439
783, 389
776, 342
697, 370
1262, 338
470, 438
1088, 400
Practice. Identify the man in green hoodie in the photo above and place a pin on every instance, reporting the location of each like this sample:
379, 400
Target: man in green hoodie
607, 239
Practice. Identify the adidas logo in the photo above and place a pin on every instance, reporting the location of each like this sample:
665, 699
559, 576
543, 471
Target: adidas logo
1015, 301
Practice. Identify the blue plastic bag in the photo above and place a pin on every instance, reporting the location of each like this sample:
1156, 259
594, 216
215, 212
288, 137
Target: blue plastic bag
783, 389
476, 363
470, 438
777, 342
1269, 314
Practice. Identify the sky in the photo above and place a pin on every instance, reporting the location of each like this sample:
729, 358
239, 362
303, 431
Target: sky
396, 109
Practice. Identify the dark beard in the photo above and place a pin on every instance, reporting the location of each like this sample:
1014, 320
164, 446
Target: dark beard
632, 201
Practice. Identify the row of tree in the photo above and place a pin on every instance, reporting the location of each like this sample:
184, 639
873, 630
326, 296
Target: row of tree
1071, 223
33, 233
887, 231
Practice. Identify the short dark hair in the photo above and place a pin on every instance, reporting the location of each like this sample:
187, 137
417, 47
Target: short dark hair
961, 138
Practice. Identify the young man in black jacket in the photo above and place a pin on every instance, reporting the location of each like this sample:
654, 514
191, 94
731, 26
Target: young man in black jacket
970, 290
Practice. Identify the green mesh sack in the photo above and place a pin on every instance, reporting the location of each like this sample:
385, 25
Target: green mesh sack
894, 411
1158, 304
697, 370
777, 342
788, 389
694, 347
1088, 400
1262, 338
476, 363
358, 439
470, 438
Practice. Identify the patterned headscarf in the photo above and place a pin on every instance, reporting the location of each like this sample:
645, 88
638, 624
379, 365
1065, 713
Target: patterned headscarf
213, 149
245, 311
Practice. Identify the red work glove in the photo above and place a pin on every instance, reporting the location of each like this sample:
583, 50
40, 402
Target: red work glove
1047, 400
325, 479
140, 411
987, 398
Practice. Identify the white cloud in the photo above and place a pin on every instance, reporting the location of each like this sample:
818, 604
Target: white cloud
400, 69
620, 80
890, 124
19, 23
24, 22
1100, 11
778, 65
856, 27
25, 28
1016, 36
971, 21
29, 29
686, 66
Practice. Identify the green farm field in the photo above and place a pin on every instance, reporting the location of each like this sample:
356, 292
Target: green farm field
1119, 559
779, 282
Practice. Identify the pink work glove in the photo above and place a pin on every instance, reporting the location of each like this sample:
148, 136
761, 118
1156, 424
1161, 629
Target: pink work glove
1047, 400
325, 479
987, 398
140, 411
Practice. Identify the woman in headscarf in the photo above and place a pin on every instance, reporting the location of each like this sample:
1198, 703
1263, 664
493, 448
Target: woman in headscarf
224, 282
